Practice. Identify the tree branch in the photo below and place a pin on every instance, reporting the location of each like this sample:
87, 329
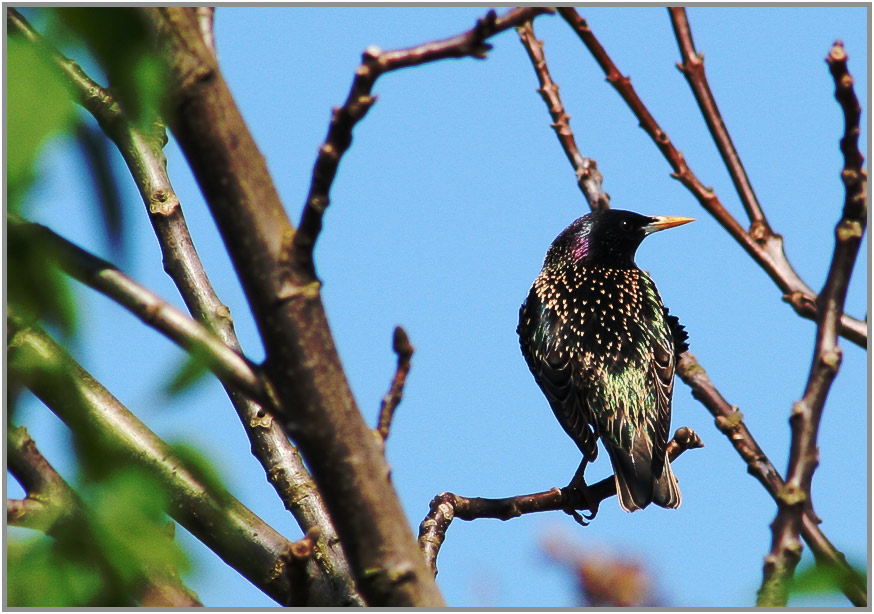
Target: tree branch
53, 508
146, 305
316, 404
221, 522
447, 506
729, 421
404, 350
375, 63
692, 68
586, 169
765, 248
145, 159
795, 497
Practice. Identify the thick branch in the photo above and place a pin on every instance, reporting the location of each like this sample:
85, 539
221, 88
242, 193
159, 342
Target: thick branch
319, 411
282, 464
795, 497
52, 507
447, 506
692, 68
729, 421
586, 169
221, 522
375, 63
404, 350
765, 248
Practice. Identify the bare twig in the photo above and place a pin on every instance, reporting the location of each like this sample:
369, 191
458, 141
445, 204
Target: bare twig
145, 159
795, 497
404, 350
447, 506
375, 63
52, 507
765, 247
729, 421
222, 523
692, 68
586, 169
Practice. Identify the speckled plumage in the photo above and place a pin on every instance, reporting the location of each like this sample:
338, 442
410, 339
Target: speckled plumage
603, 349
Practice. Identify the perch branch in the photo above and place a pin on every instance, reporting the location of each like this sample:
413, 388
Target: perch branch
145, 159
766, 248
795, 497
52, 507
404, 350
447, 506
729, 421
586, 169
343, 119
222, 523
692, 68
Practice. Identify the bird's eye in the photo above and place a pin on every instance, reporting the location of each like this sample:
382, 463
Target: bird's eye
625, 225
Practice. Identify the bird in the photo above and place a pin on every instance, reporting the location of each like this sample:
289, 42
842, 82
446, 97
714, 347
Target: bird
603, 349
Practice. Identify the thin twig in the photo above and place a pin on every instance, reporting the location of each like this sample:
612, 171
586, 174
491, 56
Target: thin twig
764, 247
404, 350
586, 169
692, 68
155, 312
795, 497
51, 506
729, 421
374, 63
447, 506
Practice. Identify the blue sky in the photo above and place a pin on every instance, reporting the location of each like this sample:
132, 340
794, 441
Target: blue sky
441, 213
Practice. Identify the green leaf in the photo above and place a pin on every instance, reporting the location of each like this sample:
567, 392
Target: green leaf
40, 574
203, 470
38, 107
130, 522
191, 371
826, 579
36, 287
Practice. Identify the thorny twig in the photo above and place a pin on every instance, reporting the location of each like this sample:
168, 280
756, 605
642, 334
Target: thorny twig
765, 247
586, 169
404, 350
795, 498
376, 62
447, 506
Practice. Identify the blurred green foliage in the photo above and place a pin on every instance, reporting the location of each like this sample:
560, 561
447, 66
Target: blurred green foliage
103, 556
123, 534
815, 579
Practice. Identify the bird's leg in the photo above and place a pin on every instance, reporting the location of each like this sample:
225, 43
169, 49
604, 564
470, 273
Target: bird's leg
578, 484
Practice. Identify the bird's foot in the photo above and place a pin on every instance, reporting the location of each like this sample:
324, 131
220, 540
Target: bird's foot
581, 498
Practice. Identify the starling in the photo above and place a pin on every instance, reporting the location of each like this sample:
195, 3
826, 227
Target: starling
603, 349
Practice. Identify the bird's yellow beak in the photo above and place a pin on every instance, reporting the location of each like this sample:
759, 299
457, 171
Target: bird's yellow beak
662, 223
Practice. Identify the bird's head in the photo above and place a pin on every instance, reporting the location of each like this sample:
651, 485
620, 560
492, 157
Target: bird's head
610, 237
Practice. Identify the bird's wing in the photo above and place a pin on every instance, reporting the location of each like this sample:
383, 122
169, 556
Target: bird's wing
555, 372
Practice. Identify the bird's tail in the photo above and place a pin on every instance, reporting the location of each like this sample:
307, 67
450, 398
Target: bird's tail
666, 492
636, 485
